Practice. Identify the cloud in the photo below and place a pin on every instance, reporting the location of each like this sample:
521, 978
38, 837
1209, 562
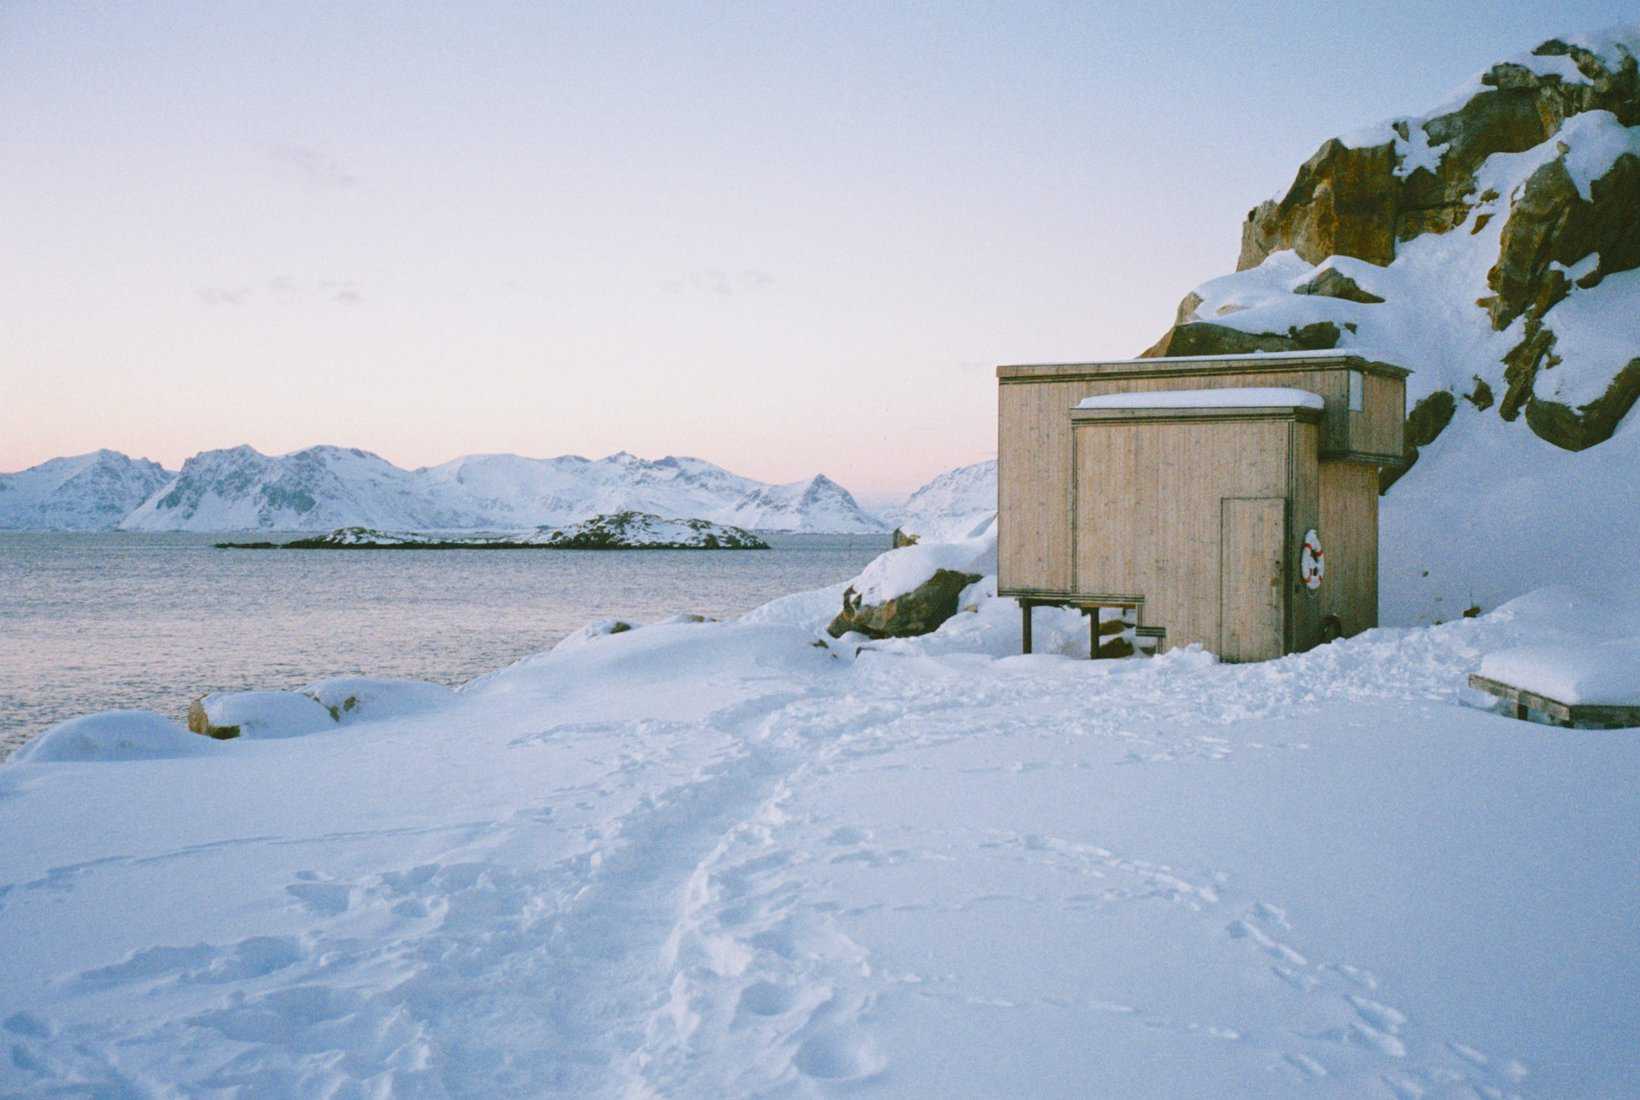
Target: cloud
714, 281
313, 166
287, 290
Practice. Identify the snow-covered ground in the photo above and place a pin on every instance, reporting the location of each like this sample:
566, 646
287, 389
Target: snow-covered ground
723, 859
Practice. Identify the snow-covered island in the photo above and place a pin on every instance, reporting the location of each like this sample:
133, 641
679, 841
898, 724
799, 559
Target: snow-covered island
620, 531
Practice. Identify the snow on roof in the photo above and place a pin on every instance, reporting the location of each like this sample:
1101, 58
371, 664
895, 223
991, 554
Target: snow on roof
1606, 673
1165, 360
1243, 397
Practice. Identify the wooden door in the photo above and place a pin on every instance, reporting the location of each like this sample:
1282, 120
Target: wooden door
1252, 578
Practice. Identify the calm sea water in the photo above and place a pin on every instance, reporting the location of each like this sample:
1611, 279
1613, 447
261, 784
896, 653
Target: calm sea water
99, 621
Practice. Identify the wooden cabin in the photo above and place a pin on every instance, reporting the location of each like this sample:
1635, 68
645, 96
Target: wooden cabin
1244, 520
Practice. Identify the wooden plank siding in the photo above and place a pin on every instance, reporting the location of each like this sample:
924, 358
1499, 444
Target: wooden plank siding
1148, 487
1305, 612
1349, 538
1253, 558
1598, 715
1034, 460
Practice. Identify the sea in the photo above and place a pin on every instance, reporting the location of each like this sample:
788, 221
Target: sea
92, 622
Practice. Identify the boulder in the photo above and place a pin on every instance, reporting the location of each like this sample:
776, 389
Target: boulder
1579, 429
1333, 283
257, 715
112, 735
351, 699
1207, 338
1360, 200
920, 611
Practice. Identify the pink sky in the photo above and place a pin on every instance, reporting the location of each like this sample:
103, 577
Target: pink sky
787, 240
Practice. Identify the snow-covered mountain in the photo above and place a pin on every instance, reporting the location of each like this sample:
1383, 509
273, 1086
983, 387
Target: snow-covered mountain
1491, 245
956, 505
322, 488
319, 488
81, 493
816, 505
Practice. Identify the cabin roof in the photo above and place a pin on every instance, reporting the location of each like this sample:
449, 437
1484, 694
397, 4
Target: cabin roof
1251, 363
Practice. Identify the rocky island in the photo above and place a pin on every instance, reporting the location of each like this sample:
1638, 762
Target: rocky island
616, 531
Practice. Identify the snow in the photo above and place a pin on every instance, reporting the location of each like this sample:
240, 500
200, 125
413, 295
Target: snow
622, 530
957, 504
1414, 152
1488, 503
730, 859
1597, 334
267, 714
110, 736
1323, 354
900, 571
1243, 397
80, 493
1605, 673
366, 698
1594, 141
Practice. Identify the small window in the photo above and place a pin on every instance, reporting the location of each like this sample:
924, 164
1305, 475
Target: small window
1357, 383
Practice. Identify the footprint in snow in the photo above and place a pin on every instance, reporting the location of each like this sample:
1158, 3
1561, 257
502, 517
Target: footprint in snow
839, 1055
325, 898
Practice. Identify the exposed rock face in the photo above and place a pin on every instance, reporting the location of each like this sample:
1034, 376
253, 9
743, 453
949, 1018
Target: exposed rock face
1332, 283
1360, 199
1206, 338
1534, 171
919, 611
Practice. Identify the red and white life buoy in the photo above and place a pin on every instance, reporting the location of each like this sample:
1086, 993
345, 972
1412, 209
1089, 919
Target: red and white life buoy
1312, 564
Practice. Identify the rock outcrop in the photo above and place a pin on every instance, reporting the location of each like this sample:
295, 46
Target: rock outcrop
620, 531
1490, 244
919, 611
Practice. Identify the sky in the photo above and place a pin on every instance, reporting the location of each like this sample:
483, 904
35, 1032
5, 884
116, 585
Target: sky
787, 238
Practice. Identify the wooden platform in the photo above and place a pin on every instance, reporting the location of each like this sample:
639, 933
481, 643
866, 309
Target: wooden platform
1595, 715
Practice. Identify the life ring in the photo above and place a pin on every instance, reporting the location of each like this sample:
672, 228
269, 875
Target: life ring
1312, 563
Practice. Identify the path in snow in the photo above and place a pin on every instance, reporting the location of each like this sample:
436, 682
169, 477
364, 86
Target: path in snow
721, 860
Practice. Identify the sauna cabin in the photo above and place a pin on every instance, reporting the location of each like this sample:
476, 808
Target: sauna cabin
1230, 501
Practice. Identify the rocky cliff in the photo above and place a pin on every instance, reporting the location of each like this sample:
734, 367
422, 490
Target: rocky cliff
1491, 245
1529, 177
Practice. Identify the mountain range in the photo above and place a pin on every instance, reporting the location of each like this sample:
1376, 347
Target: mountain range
322, 488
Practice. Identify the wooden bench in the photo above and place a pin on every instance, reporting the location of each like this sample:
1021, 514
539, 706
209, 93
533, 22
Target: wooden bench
1147, 640
1597, 715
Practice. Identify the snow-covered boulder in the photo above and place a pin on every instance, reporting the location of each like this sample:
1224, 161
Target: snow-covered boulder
363, 698
112, 735
914, 589
1606, 673
598, 628
257, 715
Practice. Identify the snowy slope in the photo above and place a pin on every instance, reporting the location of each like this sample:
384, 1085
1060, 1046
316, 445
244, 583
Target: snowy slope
1522, 347
321, 488
82, 493
819, 504
956, 505
720, 860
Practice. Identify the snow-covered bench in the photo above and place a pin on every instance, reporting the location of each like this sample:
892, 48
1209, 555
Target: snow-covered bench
1593, 685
